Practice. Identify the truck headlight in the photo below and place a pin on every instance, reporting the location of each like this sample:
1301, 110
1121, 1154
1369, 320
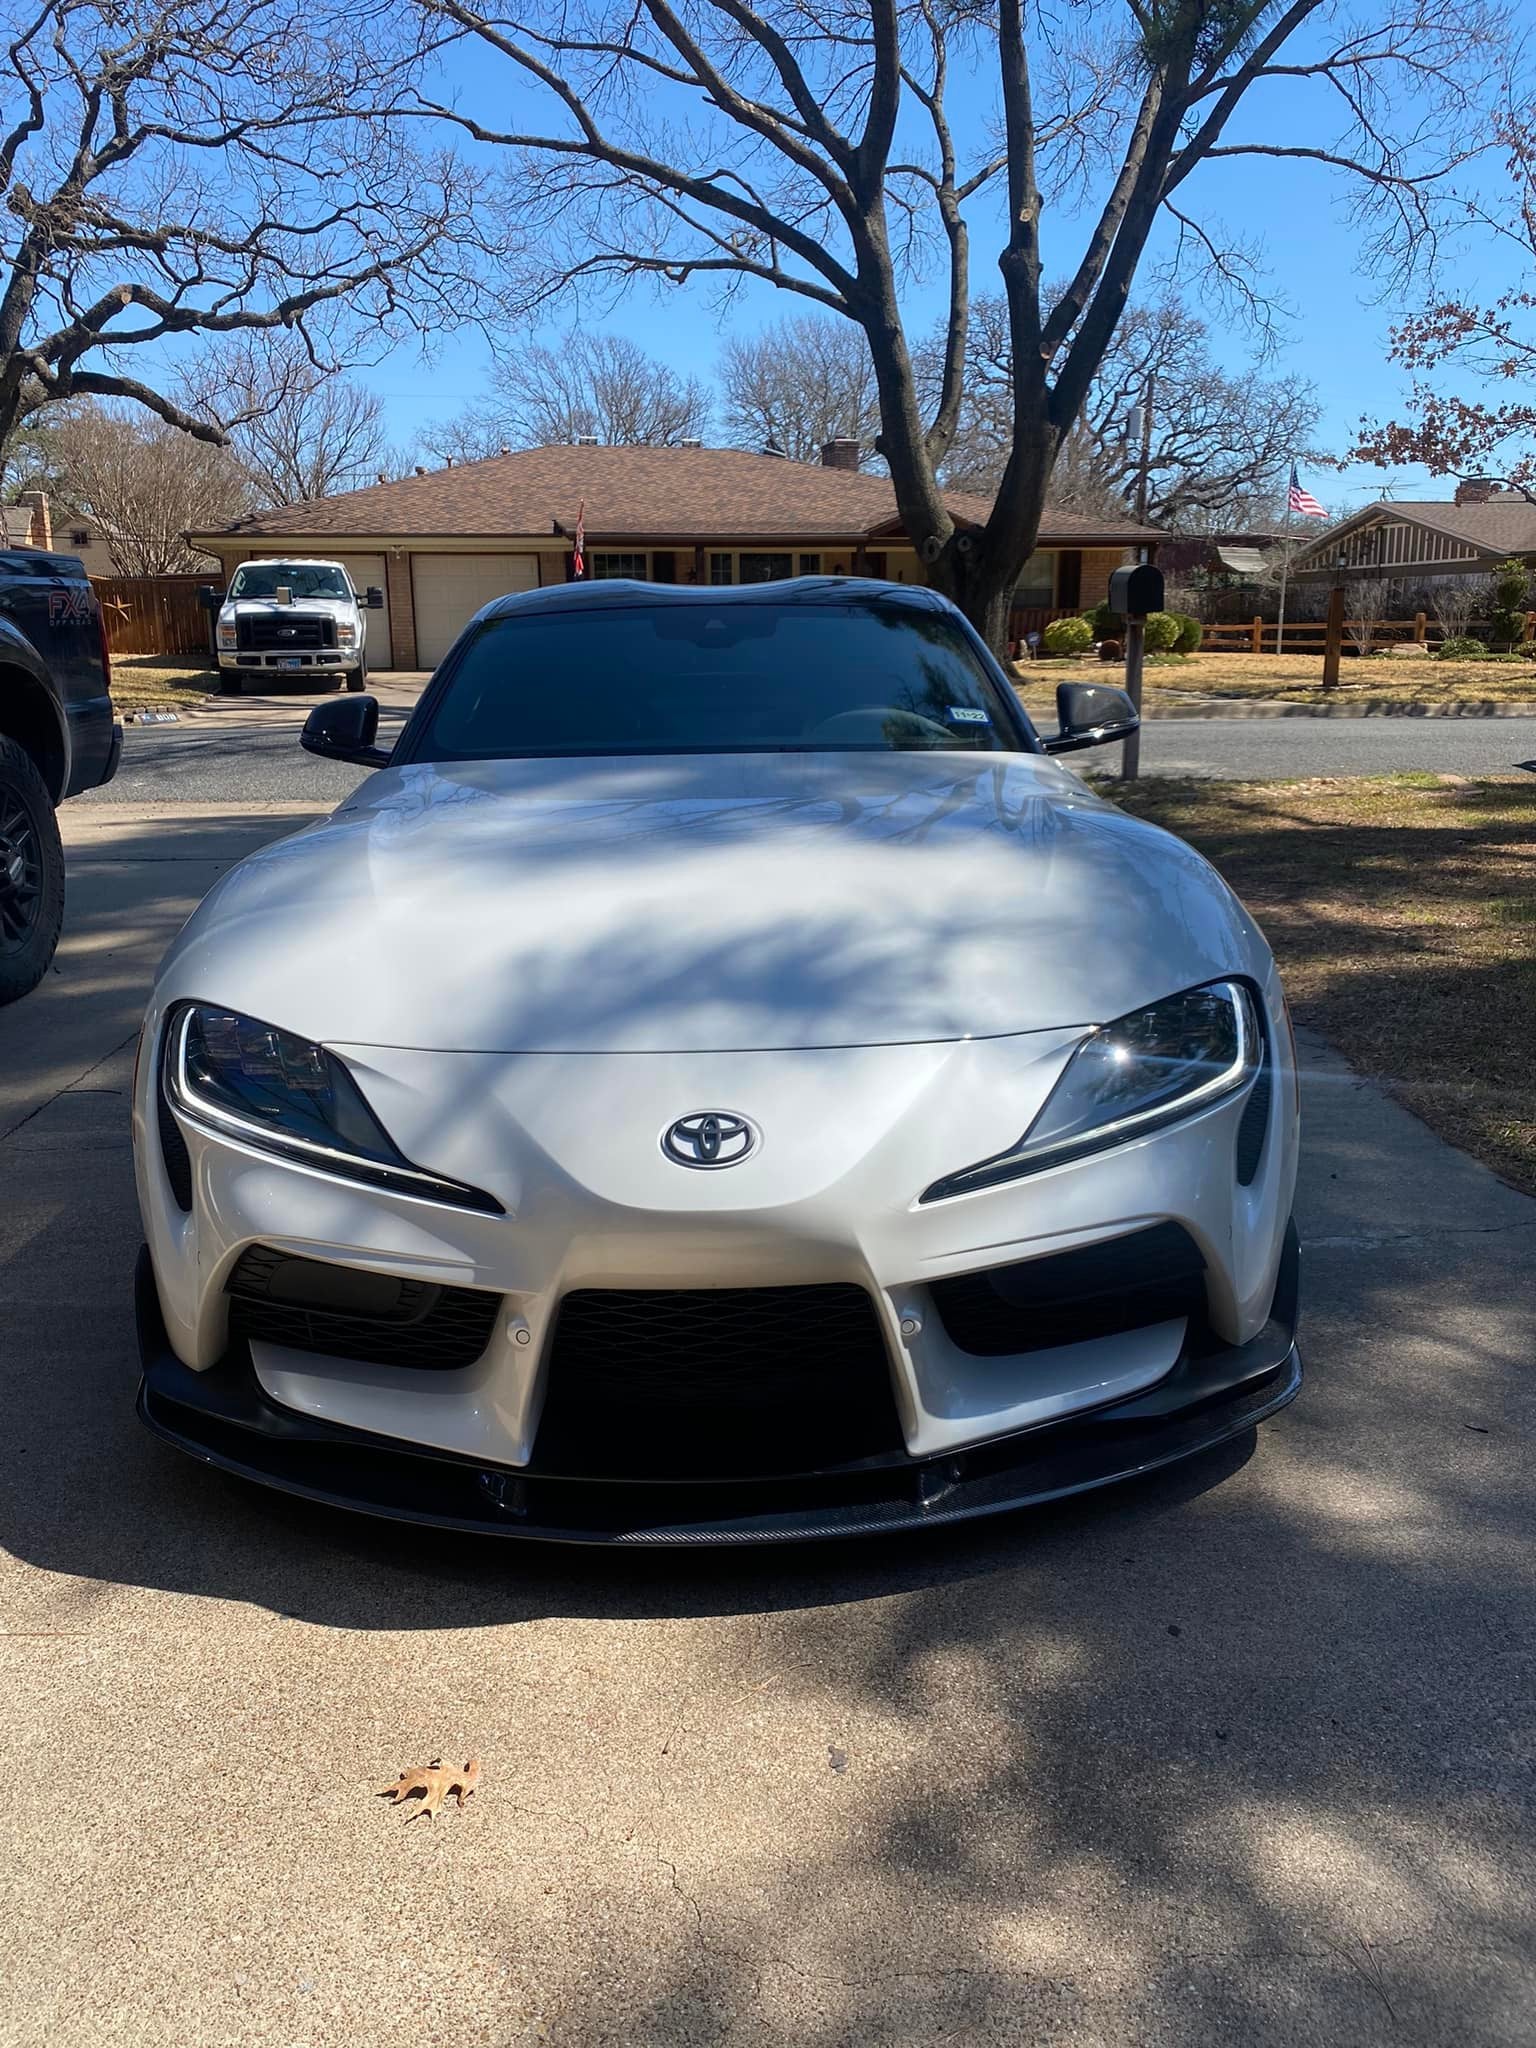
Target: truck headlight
346, 636
1133, 1076
229, 635
246, 1080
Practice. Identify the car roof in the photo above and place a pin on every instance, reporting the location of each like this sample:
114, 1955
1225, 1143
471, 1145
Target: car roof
619, 593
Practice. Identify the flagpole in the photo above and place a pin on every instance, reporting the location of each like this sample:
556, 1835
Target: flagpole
1285, 561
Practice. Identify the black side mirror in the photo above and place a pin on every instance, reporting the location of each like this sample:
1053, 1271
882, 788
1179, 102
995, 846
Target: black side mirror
345, 731
1091, 715
374, 598
209, 596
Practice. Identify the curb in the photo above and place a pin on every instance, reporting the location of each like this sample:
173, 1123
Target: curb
1370, 707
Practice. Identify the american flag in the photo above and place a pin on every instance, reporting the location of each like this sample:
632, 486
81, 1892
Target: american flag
1301, 501
579, 552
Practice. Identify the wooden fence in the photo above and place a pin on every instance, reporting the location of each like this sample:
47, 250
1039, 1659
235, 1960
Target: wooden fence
1308, 636
154, 614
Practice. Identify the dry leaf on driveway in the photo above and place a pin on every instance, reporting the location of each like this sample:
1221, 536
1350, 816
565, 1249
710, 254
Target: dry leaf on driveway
434, 1784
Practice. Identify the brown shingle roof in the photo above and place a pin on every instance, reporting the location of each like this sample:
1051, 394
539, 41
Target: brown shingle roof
641, 495
1503, 525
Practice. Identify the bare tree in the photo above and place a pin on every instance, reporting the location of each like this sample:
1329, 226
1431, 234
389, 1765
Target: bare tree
1362, 612
798, 384
1219, 446
299, 430
177, 167
599, 385
1457, 601
785, 142
1492, 342
142, 482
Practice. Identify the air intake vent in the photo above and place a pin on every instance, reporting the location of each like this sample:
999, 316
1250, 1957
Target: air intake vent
344, 1312
1098, 1290
1253, 1126
716, 1383
173, 1146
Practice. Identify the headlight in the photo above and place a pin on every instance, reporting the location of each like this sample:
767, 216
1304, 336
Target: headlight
1133, 1076
346, 636
229, 633
247, 1080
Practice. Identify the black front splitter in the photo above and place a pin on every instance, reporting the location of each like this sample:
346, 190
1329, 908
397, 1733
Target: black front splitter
223, 1417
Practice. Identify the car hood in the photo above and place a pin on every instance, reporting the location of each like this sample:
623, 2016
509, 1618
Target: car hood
711, 903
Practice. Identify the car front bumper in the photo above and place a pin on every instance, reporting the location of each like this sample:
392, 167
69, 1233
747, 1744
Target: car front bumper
223, 1417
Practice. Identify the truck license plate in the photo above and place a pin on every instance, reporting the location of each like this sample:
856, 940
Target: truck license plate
290, 661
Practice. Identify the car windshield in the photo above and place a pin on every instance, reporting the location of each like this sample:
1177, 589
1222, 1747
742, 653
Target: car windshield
304, 579
726, 678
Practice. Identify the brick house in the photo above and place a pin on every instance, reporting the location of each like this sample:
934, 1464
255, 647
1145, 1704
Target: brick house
444, 542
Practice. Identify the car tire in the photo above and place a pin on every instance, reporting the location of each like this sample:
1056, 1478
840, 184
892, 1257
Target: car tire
31, 875
357, 678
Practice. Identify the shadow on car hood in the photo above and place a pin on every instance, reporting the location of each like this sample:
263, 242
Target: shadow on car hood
710, 903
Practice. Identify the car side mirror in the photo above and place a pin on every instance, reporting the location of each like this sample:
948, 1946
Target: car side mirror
1091, 715
374, 598
209, 596
345, 731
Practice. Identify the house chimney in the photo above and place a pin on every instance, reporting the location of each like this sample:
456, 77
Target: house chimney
505, 449
39, 524
383, 479
843, 453
1476, 490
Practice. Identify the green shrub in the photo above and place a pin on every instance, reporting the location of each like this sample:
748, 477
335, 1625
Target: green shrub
1162, 632
1190, 633
1460, 647
1068, 636
1107, 625
1511, 591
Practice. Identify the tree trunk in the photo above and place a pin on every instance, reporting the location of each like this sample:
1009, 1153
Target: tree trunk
971, 579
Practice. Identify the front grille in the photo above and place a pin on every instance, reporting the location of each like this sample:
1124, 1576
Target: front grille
715, 1383
1097, 1290
344, 1312
285, 634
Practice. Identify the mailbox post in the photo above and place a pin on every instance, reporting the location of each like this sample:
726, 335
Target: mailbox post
1133, 592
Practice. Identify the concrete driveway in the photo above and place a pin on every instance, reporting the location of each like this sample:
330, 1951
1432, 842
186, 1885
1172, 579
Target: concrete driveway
1241, 1754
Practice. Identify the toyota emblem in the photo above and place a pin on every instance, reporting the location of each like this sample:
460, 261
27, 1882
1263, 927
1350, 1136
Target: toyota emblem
709, 1138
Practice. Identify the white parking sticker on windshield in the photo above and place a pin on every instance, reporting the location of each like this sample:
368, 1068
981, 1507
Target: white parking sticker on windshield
966, 714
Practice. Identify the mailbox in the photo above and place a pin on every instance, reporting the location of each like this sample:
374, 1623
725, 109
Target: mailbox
1135, 591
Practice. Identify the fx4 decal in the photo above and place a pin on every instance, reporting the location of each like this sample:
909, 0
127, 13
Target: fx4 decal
73, 607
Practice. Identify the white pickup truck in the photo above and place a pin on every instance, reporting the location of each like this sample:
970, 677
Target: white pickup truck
292, 618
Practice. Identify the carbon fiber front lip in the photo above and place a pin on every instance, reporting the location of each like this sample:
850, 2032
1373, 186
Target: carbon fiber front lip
223, 1418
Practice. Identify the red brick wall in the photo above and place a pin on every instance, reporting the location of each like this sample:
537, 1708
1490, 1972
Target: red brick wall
402, 606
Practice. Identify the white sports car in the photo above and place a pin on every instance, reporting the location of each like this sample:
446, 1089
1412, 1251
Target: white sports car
722, 1081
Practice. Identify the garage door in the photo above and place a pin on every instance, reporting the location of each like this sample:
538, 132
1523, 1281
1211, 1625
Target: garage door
367, 572
450, 589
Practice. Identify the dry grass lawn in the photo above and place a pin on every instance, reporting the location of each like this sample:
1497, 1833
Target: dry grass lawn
159, 682
1416, 679
1403, 914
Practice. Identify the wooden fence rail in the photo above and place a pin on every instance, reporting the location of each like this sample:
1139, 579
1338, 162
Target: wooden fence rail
1308, 636
153, 615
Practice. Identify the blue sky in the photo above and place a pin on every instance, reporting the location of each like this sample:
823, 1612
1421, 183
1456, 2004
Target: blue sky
1334, 332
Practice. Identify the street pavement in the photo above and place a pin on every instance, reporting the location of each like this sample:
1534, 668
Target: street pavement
232, 757
1238, 1753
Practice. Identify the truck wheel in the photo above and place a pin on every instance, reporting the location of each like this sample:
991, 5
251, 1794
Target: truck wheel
31, 875
357, 678
231, 683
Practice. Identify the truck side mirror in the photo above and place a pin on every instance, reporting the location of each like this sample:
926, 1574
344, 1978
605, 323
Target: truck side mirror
374, 598
209, 597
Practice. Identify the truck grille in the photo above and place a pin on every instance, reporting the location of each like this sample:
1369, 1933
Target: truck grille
282, 633
715, 1383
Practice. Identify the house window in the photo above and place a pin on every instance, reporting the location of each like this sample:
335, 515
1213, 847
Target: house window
619, 565
1036, 587
766, 568
720, 569
810, 565
79, 538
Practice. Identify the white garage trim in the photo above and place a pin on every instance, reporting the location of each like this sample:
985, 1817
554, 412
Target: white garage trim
449, 589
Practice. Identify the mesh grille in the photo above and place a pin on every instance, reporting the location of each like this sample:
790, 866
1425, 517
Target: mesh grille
1098, 1290
719, 1383
342, 1312
1253, 1127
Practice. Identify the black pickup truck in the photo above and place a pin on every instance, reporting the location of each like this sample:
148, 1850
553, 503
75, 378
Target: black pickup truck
57, 737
